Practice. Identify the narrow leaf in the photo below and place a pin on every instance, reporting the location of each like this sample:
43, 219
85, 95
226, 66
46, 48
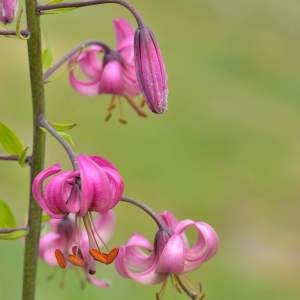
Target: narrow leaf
23, 157
10, 142
47, 58
13, 235
63, 126
7, 219
59, 10
55, 1
67, 137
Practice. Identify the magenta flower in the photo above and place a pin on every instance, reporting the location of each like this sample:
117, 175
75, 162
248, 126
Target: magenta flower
170, 255
8, 10
67, 246
95, 186
150, 70
114, 73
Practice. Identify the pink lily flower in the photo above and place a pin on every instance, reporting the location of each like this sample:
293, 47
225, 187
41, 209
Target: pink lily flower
151, 71
8, 10
170, 256
114, 73
95, 186
60, 245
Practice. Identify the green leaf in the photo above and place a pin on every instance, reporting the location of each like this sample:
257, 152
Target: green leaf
55, 1
23, 157
13, 235
7, 219
59, 10
47, 58
63, 126
45, 218
67, 137
10, 142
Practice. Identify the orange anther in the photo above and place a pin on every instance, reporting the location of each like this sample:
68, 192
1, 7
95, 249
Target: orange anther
112, 255
60, 259
99, 256
75, 260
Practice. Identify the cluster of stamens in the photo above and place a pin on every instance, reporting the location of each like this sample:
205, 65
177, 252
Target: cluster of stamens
182, 286
116, 102
75, 256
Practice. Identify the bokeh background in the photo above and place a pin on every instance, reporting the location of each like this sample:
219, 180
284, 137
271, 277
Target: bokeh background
226, 152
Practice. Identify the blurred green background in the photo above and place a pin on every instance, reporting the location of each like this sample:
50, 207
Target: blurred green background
227, 151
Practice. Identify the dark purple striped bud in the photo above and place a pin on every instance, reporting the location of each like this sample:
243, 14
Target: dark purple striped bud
150, 70
8, 9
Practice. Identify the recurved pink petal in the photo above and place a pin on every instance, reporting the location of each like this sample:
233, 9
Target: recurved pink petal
169, 219
48, 243
57, 193
124, 34
115, 179
111, 78
205, 247
84, 88
97, 282
37, 189
89, 62
125, 263
88, 175
172, 258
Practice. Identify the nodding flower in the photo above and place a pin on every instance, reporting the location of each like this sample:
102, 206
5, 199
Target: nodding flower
95, 185
150, 69
8, 10
113, 74
170, 256
67, 245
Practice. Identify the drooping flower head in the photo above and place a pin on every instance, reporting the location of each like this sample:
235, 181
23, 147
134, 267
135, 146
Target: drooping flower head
114, 73
169, 256
67, 246
95, 185
150, 70
8, 10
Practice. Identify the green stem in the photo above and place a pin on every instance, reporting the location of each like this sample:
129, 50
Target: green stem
38, 105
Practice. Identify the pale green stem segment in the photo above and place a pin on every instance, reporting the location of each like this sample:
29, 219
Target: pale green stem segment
38, 148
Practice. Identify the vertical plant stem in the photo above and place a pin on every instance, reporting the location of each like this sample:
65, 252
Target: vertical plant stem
38, 106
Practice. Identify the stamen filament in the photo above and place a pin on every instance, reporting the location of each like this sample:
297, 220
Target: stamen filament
90, 231
95, 230
192, 294
135, 107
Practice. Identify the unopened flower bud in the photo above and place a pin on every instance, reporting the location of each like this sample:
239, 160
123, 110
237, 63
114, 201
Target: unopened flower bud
150, 69
8, 9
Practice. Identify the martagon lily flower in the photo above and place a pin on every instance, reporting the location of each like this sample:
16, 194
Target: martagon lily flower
8, 10
60, 245
95, 185
170, 256
113, 74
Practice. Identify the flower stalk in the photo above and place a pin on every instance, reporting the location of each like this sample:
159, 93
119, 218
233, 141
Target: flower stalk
24, 32
43, 8
69, 55
38, 154
157, 219
46, 125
